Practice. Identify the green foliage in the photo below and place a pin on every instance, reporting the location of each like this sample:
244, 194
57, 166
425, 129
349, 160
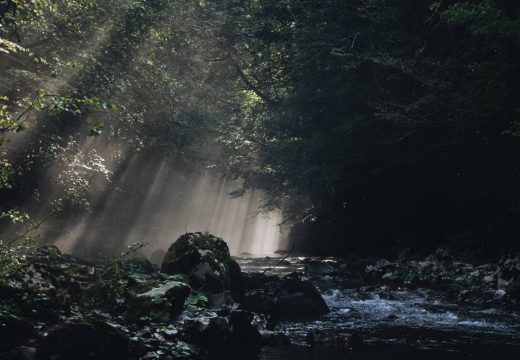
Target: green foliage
5, 172
358, 116
15, 216
198, 299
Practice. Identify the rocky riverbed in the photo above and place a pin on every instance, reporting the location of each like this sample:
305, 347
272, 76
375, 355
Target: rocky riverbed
428, 307
202, 303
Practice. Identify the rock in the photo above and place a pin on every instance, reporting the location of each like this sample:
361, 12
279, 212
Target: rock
159, 304
82, 340
508, 273
211, 335
20, 353
319, 338
14, 331
499, 294
290, 297
221, 336
313, 268
258, 301
301, 300
271, 338
207, 262
236, 280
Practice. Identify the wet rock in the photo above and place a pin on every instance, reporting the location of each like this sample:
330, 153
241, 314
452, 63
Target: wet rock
271, 338
499, 294
291, 297
300, 299
14, 331
259, 301
159, 304
207, 262
316, 267
320, 338
82, 340
20, 353
210, 334
508, 272
221, 336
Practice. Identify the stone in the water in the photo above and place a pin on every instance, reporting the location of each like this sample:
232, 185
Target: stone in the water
207, 262
320, 338
313, 268
291, 297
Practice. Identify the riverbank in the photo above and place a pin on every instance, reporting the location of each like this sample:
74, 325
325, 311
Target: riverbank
202, 303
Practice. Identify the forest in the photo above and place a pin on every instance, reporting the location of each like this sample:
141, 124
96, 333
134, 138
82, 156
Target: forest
259, 179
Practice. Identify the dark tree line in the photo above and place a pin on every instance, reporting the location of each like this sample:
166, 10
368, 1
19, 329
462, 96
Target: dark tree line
374, 124
395, 120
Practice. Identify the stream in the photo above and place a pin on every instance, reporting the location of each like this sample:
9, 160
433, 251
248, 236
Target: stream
395, 324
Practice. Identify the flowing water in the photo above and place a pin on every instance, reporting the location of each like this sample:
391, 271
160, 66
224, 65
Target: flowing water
396, 324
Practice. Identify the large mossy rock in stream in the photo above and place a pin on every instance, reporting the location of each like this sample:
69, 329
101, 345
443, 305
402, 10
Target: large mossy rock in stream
207, 262
291, 297
84, 340
159, 304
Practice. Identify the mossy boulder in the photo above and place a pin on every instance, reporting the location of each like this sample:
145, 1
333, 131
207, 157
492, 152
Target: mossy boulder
206, 260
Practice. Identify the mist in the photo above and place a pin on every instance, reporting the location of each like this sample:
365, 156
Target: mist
154, 202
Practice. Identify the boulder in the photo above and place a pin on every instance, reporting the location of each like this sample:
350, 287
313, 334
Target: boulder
291, 297
159, 304
206, 260
82, 340
223, 336
320, 338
